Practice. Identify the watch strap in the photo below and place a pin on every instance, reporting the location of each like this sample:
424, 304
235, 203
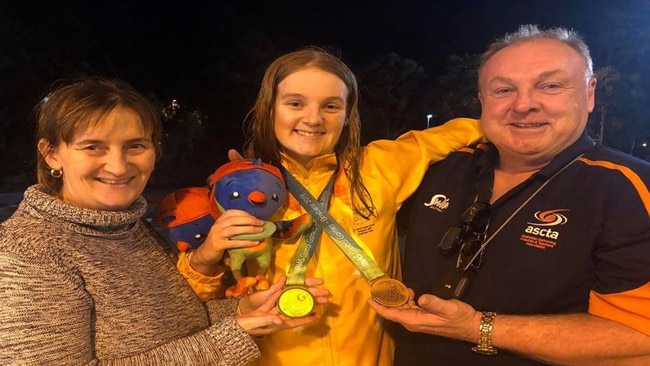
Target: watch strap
484, 345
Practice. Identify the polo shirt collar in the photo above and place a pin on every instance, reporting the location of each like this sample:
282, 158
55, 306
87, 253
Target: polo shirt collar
583, 144
486, 156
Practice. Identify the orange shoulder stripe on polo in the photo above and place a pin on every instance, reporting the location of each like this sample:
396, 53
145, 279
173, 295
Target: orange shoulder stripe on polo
636, 181
629, 307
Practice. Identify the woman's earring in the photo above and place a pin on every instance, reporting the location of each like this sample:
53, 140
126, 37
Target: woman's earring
56, 173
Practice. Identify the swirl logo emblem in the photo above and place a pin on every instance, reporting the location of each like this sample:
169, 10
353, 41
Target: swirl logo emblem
438, 202
550, 218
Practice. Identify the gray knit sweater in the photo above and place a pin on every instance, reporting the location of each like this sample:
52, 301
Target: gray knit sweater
89, 287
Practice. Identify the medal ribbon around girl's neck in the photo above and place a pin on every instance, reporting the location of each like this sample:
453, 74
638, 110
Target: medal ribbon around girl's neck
385, 290
295, 301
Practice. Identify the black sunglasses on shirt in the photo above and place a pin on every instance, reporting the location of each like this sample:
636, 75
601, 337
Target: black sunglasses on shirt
469, 238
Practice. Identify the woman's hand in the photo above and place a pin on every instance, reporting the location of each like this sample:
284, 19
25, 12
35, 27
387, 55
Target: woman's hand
230, 223
260, 316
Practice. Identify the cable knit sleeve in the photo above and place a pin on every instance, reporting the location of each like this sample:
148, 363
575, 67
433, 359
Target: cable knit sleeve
223, 343
95, 299
33, 310
44, 316
221, 307
236, 346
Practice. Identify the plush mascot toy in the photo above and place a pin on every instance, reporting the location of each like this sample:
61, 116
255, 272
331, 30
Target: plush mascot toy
185, 214
259, 189
248, 185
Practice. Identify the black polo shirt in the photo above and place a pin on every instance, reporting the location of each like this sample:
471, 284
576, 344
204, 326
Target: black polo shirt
585, 233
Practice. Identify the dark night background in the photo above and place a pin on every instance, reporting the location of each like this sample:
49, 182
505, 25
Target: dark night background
412, 58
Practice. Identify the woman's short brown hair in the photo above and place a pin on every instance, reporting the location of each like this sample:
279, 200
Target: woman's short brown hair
79, 103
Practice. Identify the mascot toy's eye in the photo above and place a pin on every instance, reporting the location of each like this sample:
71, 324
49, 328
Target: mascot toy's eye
185, 215
275, 197
235, 196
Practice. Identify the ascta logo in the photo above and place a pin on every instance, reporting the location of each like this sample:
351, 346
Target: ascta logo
550, 218
540, 234
438, 202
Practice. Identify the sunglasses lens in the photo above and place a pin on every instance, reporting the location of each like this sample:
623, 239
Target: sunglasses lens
469, 237
451, 239
473, 211
476, 216
468, 254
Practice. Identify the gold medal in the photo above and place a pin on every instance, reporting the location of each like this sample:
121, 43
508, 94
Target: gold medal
389, 292
296, 302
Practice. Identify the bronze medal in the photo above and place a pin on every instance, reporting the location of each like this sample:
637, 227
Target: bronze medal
389, 292
296, 302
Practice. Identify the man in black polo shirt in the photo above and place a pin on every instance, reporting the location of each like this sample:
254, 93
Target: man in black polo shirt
536, 244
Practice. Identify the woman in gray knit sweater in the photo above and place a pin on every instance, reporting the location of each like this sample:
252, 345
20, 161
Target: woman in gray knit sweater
83, 281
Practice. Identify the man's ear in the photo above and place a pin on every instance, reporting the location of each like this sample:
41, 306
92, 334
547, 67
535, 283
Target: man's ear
48, 152
591, 94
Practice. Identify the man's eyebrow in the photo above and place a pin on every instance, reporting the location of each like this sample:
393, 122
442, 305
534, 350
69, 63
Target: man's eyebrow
543, 75
549, 73
501, 79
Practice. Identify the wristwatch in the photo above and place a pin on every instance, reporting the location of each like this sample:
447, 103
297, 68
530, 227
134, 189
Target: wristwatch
484, 345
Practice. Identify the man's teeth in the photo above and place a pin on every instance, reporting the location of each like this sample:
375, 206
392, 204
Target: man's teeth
528, 125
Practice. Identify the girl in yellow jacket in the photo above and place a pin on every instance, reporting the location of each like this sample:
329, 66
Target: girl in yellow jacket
306, 120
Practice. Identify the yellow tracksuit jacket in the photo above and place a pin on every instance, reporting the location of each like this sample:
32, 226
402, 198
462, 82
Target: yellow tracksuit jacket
349, 332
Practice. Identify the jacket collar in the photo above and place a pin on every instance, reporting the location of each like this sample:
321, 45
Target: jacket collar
322, 164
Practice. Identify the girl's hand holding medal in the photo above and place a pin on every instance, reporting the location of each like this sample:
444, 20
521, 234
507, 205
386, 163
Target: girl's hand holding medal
259, 314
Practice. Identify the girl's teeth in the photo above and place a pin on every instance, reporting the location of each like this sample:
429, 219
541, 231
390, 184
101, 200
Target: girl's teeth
305, 133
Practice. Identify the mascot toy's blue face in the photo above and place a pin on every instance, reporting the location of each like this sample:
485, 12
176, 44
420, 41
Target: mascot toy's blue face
193, 233
252, 186
185, 214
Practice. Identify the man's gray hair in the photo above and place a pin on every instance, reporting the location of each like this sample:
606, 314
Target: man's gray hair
528, 32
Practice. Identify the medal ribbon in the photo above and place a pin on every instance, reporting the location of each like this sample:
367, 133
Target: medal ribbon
321, 218
307, 246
